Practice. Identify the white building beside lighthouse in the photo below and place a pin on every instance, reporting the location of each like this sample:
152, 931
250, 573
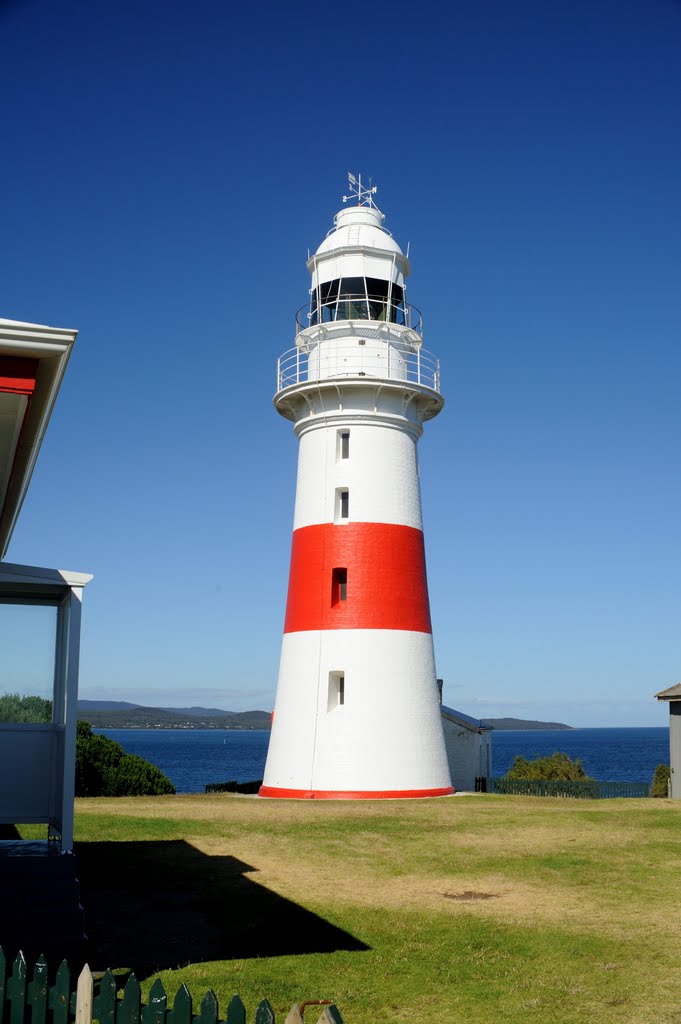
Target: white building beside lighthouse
357, 712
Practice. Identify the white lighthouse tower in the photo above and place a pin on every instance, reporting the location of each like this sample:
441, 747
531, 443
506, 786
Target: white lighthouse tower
357, 712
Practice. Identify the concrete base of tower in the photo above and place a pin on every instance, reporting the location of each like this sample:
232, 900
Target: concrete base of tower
357, 717
329, 794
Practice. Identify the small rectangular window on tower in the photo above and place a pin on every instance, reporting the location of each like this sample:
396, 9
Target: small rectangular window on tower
342, 503
339, 585
336, 690
343, 444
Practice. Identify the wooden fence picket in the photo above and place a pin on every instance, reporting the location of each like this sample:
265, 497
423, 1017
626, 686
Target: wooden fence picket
84, 996
294, 1015
208, 1014
155, 1010
130, 1005
236, 1012
104, 1003
16, 990
264, 1013
181, 1012
58, 1000
37, 992
330, 1015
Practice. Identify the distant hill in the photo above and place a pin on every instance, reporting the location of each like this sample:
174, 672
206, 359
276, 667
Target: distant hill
105, 705
199, 712
122, 715
522, 723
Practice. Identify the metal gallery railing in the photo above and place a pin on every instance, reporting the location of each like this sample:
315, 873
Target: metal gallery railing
327, 361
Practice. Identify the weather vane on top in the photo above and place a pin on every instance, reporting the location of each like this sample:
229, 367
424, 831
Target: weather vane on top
364, 196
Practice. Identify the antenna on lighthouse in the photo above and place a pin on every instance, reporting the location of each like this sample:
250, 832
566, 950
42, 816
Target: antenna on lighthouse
360, 192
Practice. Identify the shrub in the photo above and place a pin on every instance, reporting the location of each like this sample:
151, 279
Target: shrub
556, 768
660, 786
104, 769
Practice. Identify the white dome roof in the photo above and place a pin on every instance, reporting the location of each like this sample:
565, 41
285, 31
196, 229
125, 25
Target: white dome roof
359, 226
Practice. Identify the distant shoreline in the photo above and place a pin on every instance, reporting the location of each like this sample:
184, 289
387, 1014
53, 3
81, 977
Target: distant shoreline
180, 728
524, 725
121, 715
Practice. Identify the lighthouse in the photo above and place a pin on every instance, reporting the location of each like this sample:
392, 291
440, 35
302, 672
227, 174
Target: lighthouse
357, 714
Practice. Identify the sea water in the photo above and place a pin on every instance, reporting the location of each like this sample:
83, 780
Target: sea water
609, 755
191, 758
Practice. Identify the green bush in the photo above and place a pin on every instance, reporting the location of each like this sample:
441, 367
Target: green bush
556, 768
661, 777
104, 769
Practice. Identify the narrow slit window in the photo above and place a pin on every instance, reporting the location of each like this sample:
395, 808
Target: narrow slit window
339, 585
345, 444
336, 697
343, 504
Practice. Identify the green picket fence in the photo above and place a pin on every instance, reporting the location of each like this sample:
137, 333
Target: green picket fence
35, 1002
584, 790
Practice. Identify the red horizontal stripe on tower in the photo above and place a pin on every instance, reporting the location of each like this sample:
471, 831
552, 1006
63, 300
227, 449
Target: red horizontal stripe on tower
386, 578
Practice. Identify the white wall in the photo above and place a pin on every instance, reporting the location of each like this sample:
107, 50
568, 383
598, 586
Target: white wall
469, 754
30, 761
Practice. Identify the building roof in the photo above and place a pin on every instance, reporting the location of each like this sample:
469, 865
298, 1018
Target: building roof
458, 717
33, 359
673, 693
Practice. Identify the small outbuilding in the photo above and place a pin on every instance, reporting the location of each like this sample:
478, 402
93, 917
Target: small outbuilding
469, 748
673, 697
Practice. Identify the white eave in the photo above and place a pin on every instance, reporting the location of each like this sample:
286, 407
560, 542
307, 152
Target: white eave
32, 580
51, 346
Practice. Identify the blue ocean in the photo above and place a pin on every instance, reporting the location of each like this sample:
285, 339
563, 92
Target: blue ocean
191, 758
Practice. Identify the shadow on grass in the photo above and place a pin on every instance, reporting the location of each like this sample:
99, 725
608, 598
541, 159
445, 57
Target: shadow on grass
150, 906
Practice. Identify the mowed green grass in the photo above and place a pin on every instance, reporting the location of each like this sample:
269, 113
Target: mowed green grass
478, 909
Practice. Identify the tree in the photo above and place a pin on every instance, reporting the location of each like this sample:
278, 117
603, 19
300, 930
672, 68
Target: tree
14, 708
661, 778
556, 768
104, 769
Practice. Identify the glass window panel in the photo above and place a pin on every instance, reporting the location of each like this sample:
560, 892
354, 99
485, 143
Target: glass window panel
352, 303
377, 290
27, 641
352, 286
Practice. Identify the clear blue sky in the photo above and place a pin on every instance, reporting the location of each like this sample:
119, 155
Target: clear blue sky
165, 167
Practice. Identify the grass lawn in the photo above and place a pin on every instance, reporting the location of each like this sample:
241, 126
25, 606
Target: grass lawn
481, 909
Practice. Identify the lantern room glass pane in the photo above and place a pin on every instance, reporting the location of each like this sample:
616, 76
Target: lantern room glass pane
28, 634
358, 298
